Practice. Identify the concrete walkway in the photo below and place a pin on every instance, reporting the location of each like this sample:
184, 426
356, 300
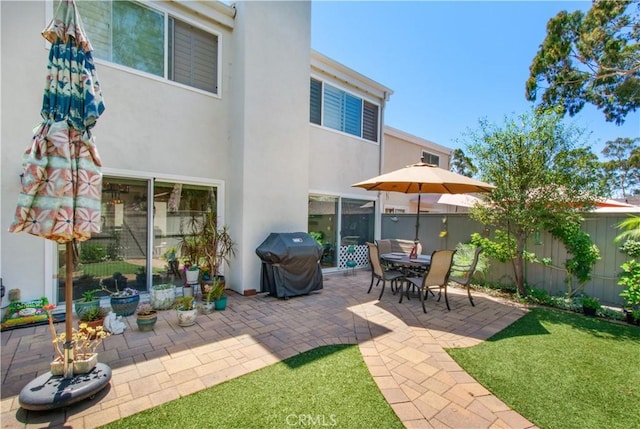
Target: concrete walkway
402, 347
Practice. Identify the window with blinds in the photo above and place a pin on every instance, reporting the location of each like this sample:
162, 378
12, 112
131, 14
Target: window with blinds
193, 56
133, 35
334, 108
430, 158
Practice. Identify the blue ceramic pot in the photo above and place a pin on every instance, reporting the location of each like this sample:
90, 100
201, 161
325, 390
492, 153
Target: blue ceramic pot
125, 306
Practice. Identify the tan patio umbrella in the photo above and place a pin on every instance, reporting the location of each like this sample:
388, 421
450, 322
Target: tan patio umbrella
424, 178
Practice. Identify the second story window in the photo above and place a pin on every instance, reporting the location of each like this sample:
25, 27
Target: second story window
430, 158
334, 108
135, 36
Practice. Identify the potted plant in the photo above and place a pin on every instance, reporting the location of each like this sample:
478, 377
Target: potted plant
206, 244
85, 341
211, 294
93, 318
88, 300
186, 310
192, 273
146, 317
123, 302
217, 246
590, 305
162, 296
219, 298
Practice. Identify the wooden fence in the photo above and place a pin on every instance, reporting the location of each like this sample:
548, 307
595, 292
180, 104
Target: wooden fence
458, 227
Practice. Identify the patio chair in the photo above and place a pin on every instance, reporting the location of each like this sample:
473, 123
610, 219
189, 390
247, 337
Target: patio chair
437, 276
400, 245
467, 272
384, 246
377, 272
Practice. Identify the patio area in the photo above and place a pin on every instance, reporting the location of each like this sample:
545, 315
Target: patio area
402, 347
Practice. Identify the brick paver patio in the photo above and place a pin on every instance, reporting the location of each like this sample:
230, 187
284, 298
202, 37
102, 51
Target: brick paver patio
402, 347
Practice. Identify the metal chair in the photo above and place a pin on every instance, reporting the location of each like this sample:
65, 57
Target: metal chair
437, 276
377, 272
467, 272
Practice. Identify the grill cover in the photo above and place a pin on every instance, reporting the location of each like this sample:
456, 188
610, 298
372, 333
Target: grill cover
290, 264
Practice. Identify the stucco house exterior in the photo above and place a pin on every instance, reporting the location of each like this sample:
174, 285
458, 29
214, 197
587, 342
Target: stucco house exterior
209, 106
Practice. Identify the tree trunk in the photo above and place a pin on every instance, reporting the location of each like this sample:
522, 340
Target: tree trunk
518, 266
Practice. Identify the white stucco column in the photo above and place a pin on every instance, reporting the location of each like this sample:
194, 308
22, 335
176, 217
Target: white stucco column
268, 177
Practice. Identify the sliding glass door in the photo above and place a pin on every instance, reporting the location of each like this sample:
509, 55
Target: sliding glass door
357, 220
342, 226
142, 225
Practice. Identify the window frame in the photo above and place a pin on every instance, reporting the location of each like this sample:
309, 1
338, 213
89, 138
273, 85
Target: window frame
167, 15
52, 264
321, 110
428, 156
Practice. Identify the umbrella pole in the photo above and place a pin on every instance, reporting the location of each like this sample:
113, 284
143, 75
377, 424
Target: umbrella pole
418, 216
68, 320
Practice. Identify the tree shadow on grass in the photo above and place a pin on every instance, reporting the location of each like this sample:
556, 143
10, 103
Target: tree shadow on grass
533, 324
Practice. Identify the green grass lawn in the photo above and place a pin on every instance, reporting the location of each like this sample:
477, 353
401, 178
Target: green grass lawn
326, 387
562, 370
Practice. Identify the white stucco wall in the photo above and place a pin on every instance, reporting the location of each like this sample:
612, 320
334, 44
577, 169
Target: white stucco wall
24, 61
402, 149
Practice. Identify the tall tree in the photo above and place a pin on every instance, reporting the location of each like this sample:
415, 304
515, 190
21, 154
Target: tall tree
590, 58
462, 164
624, 164
543, 177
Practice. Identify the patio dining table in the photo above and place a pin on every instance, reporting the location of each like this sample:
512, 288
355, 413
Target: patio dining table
406, 264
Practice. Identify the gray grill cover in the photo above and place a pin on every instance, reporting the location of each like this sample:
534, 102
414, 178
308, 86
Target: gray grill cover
290, 264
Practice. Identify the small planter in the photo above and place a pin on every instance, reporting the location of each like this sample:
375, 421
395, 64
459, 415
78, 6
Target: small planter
81, 306
221, 303
125, 306
207, 307
83, 364
589, 311
187, 317
146, 322
162, 298
192, 276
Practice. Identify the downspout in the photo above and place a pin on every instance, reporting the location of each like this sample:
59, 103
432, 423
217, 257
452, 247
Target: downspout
378, 229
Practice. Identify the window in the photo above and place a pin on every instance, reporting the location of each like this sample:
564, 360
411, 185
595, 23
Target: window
430, 158
133, 35
126, 249
339, 110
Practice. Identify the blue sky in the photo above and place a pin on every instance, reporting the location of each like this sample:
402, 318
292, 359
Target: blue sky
449, 63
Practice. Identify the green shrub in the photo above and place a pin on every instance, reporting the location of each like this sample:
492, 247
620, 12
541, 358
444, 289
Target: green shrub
630, 278
92, 252
590, 302
631, 248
